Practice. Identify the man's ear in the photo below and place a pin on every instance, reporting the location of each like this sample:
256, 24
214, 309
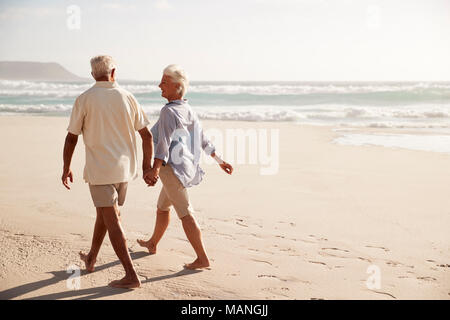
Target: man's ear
92, 74
113, 73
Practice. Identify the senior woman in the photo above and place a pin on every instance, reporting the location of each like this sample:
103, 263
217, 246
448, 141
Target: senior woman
179, 141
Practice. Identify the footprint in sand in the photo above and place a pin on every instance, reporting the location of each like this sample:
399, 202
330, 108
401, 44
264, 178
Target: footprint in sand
317, 238
378, 247
305, 241
440, 265
241, 223
385, 293
292, 224
331, 252
285, 279
396, 264
314, 239
341, 253
427, 278
276, 291
218, 219
257, 236
267, 276
290, 251
321, 263
336, 249
271, 276
262, 261
225, 235
78, 235
232, 274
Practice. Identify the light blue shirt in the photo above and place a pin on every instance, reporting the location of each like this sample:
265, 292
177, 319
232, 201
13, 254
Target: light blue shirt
179, 141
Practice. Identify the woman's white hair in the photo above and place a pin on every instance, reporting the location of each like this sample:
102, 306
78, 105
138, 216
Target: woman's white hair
178, 75
102, 66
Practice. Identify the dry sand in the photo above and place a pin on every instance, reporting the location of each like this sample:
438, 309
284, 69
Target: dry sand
309, 232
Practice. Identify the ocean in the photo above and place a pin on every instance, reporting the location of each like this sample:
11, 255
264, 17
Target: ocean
422, 106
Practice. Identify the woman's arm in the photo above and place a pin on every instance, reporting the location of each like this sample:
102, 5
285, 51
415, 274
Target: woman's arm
210, 149
166, 128
224, 165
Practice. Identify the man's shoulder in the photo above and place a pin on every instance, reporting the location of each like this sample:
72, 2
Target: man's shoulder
123, 91
86, 93
126, 94
92, 91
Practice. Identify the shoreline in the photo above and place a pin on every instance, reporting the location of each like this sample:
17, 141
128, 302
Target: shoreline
338, 130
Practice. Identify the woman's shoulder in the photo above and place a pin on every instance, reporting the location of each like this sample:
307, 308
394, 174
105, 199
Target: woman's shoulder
167, 112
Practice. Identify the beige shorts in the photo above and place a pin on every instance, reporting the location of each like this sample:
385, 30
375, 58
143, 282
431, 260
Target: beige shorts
108, 195
173, 193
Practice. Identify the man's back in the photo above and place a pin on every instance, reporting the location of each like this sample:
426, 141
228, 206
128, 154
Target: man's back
108, 117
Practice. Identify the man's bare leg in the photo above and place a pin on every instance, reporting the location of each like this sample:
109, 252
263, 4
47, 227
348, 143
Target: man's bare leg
194, 236
162, 221
97, 240
119, 243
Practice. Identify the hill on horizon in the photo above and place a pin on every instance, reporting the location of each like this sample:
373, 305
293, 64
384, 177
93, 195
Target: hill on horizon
30, 70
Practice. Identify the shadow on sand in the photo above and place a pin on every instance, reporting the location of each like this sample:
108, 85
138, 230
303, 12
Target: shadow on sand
85, 294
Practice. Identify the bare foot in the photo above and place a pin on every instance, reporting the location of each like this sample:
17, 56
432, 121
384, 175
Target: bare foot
148, 244
126, 283
89, 262
197, 264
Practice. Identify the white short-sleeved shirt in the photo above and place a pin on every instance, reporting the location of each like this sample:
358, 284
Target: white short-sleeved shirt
108, 117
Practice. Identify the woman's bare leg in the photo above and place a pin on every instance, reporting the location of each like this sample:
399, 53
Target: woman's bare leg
162, 221
194, 236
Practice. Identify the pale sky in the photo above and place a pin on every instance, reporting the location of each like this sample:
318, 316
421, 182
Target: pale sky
266, 40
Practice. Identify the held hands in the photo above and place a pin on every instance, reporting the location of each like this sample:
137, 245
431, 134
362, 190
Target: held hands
151, 176
67, 174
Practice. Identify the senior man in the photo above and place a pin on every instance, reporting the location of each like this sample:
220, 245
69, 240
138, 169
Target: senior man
108, 117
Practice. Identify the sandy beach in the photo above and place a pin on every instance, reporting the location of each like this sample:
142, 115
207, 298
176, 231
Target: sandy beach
311, 231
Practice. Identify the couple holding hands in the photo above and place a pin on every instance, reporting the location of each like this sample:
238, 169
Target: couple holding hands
108, 116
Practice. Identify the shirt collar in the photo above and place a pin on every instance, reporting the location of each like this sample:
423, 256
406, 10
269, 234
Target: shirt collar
105, 84
179, 101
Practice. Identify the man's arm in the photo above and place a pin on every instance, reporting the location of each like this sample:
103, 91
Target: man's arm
152, 175
69, 147
147, 148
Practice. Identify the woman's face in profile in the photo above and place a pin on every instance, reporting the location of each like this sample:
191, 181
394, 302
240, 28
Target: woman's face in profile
169, 89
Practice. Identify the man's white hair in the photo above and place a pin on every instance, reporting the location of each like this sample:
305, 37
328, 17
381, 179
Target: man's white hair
102, 66
179, 76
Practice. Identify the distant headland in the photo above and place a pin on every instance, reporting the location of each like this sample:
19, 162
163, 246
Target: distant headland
41, 71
